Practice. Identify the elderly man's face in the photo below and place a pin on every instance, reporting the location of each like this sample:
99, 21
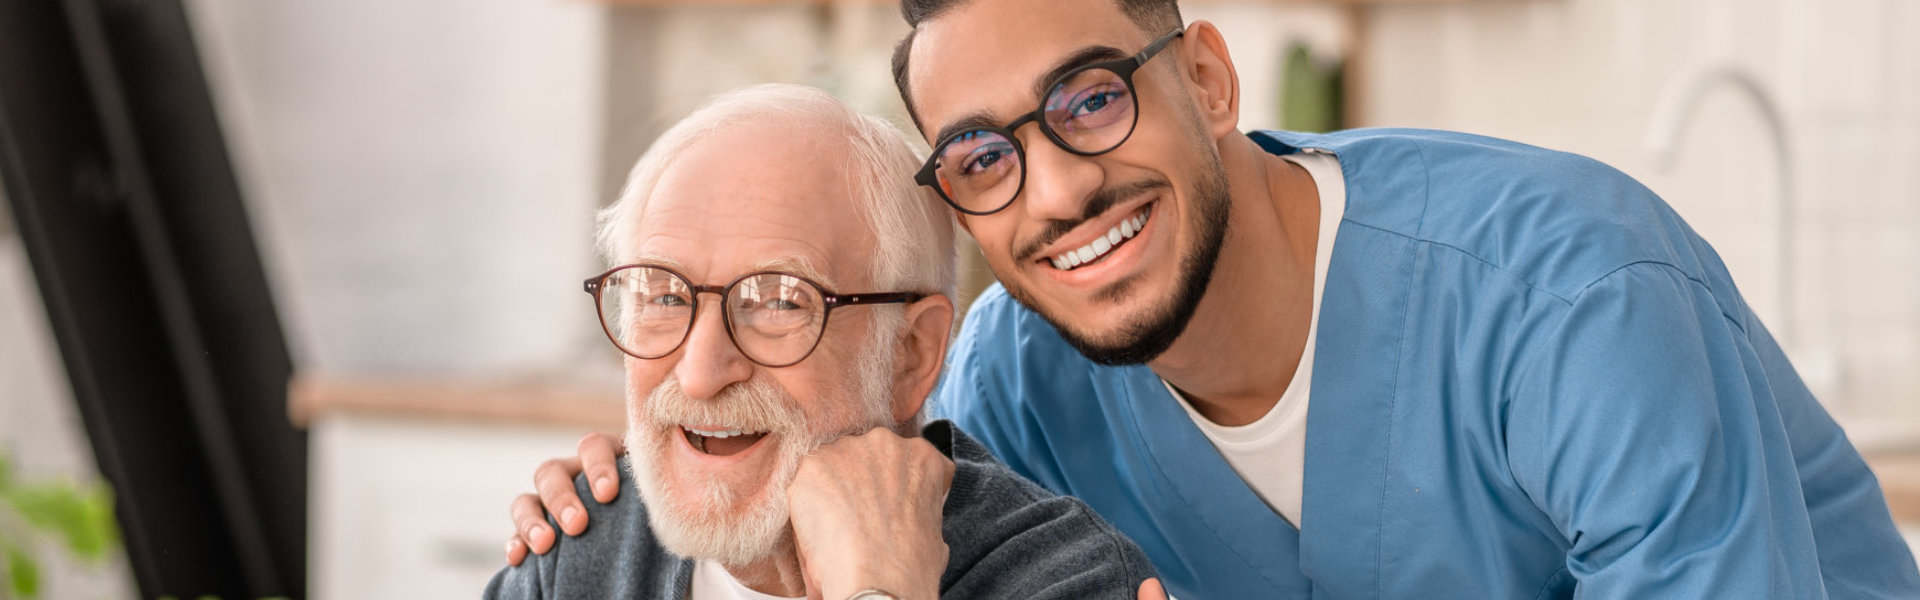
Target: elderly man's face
745, 200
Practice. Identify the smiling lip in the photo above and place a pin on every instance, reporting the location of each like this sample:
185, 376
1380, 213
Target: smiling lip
1116, 236
694, 444
1094, 241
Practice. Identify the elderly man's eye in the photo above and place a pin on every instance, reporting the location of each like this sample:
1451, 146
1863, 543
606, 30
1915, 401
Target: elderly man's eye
669, 300
779, 304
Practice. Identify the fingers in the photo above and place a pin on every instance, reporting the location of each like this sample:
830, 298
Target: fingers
516, 551
530, 524
1151, 590
600, 456
554, 481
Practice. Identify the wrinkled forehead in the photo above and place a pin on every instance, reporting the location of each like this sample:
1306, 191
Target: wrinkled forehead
991, 56
749, 198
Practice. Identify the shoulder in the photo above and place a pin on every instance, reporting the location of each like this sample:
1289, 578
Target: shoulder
1008, 537
1556, 220
1003, 351
996, 323
616, 556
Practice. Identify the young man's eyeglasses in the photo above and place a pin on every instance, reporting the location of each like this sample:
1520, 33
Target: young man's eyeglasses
1089, 111
774, 318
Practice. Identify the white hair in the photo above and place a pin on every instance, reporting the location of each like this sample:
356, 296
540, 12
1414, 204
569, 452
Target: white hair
913, 232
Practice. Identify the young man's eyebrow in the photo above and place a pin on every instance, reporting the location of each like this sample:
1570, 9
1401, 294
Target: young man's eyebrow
972, 121
1077, 59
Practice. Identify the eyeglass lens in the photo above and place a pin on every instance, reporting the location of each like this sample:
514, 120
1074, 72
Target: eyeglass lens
775, 319
1089, 112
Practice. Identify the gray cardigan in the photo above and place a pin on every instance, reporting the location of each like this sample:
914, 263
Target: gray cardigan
1006, 538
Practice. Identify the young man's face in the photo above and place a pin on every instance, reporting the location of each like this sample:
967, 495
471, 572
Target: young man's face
1068, 246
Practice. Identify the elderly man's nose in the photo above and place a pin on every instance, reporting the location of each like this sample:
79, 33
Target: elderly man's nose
1058, 182
709, 361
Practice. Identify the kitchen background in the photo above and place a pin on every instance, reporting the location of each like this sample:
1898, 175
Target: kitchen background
422, 178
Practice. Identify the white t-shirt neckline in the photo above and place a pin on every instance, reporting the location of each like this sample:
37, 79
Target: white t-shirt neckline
1270, 453
712, 582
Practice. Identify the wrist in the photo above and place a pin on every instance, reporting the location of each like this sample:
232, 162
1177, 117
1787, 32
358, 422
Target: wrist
876, 586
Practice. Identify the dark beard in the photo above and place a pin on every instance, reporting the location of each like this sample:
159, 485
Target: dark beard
1148, 337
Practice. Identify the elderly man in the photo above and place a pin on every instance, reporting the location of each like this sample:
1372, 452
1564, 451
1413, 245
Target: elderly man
783, 285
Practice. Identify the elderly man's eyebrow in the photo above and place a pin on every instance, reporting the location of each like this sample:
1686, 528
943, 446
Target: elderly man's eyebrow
797, 266
660, 260
1077, 59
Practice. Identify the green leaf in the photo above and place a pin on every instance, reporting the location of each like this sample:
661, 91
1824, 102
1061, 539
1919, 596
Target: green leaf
81, 519
25, 575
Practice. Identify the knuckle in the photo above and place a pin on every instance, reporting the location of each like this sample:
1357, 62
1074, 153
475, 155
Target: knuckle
589, 439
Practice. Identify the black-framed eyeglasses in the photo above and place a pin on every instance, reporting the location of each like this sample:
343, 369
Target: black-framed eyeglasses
775, 319
1088, 111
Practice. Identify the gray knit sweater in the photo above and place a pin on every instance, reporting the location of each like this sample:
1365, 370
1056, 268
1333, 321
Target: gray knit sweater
1006, 538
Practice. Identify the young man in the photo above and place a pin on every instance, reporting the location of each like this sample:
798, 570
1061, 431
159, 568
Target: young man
1370, 364
782, 289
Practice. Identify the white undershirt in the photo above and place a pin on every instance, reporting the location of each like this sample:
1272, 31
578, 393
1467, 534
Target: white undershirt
712, 582
1271, 452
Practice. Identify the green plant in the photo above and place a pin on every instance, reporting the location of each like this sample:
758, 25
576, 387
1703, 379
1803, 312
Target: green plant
77, 517
1312, 91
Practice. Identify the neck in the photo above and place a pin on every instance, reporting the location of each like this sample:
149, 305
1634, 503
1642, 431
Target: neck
777, 575
1239, 352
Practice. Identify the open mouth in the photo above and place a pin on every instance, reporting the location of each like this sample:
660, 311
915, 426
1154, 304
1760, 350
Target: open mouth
721, 442
1100, 247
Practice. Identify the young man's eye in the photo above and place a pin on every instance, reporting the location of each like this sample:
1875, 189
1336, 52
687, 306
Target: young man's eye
983, 160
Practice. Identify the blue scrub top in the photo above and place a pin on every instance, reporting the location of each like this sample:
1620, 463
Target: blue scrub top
1532, 380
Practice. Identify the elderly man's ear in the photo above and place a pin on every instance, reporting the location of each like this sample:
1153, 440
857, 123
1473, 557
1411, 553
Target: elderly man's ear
923, 351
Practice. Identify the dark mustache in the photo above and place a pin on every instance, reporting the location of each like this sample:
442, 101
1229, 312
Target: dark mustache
1099, 204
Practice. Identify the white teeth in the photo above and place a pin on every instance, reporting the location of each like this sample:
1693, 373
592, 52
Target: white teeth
1101, 245
725, 433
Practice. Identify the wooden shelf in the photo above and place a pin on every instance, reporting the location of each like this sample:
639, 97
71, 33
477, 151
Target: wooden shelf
541, 400
1900, 480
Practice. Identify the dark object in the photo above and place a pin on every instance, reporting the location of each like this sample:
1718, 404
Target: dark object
785, 312
120, 185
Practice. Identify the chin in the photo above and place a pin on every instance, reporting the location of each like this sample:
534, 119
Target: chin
735, 521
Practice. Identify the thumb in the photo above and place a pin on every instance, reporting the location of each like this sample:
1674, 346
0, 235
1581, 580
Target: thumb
1151, 590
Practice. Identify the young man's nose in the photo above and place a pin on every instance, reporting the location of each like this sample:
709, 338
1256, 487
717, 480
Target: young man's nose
1059, 183
709, 362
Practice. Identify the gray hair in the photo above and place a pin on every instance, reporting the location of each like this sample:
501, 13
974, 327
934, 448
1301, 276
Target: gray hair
912, 229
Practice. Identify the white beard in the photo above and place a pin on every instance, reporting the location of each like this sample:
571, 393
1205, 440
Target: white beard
743, 523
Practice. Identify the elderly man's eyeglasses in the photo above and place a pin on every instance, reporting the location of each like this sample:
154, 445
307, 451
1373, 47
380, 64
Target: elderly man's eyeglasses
774, 318
1089, 111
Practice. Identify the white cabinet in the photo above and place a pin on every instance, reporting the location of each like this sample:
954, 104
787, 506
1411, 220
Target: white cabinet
415, 506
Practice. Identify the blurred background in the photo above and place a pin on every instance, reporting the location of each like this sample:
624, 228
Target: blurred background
412, 189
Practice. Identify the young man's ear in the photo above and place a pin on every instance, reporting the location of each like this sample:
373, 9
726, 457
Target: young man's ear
1210, 78
923, 352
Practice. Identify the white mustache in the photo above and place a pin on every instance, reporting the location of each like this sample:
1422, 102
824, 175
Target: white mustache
752, 405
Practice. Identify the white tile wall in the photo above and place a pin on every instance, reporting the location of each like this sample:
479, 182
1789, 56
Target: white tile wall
421, 174
1583, 75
